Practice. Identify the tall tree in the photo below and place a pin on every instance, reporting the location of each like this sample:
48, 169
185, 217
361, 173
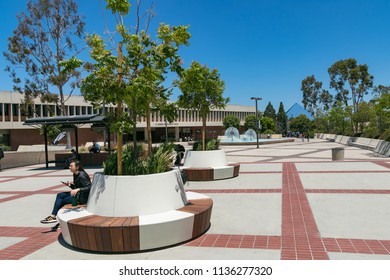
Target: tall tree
340, 119
44, 37
270, 111
382, 107
351, 81
300, 124
282, 119
311, 90
326, 99
202, 90
366, 119
134, 76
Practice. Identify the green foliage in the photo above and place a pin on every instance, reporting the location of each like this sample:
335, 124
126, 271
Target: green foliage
351, 81
381, 108
52, 131
311, 89
45, 36
251, 122
300, 124
340, 119
385, 135
202, 90
267, 123
135, 161
5, 148
135, 76
118, 6
270, 111
282, 119
4, 140
231, 121
268, 131
211, 144
370, 132
364, 116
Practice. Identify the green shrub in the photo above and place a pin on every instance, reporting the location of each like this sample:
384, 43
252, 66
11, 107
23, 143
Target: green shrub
370, 132
6, 148
211, 145
385, 135
135, 161
269, 131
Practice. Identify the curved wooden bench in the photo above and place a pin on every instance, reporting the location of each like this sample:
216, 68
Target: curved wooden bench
212, 173
87, 231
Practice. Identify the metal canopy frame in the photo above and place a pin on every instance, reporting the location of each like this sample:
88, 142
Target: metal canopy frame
70, 122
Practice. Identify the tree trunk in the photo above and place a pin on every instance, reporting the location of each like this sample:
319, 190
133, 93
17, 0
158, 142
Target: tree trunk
203, 133
149, 129
135, 127
119, 142
119, 112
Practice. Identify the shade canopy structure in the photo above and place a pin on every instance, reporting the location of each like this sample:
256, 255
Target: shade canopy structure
70, 123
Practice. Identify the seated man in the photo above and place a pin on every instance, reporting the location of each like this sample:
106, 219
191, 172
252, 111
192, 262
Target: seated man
180, 150
95, 148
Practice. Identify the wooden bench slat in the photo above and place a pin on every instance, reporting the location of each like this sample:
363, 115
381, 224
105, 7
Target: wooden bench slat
122, 234
116, 233
201, 208
131, 234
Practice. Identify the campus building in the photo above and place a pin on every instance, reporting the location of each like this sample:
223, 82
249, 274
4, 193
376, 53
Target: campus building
187, 125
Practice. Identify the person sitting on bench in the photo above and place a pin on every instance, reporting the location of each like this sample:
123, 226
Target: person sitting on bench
95, 148
81, 187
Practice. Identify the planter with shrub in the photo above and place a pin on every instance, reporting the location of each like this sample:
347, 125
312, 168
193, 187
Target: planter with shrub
209, 164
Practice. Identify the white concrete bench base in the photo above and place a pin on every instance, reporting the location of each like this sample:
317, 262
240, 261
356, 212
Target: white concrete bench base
212, 173
91, 232
208, 166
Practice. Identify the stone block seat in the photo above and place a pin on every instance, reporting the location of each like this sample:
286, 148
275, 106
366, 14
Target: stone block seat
209, 166
132, 217
365, 143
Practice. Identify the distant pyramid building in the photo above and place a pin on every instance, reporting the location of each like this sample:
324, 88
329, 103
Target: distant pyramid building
297, 110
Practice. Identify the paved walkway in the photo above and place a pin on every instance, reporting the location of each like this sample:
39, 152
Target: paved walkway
290, 201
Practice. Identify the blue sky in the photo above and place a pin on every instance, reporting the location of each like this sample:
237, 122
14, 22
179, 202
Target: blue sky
262, 48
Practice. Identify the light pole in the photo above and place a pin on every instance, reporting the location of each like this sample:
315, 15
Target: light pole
257, 120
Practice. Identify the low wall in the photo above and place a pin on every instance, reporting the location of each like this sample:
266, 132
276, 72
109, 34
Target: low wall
379, 147
86, 159
14, 159
270, 136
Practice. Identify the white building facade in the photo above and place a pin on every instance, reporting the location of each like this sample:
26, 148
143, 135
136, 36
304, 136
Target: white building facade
186, 126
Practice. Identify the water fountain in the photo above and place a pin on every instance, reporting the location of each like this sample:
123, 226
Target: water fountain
233, 137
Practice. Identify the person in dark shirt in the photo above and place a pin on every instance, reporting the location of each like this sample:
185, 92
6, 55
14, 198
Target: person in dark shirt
81, 187
95, 148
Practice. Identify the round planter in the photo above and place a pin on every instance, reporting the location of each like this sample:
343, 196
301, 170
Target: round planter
119, 196
199, 159
135, 213
208, 166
